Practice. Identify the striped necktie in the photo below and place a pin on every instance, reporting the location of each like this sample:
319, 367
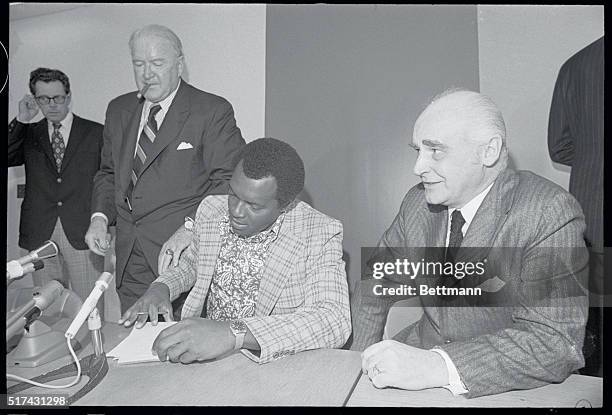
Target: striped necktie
144, 146
57, 145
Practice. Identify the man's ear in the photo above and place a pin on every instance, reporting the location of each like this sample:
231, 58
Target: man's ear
491, 150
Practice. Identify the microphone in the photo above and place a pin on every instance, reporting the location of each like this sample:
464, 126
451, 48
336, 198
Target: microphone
48, 250
89, 304
41, 299
15, 270
140, 94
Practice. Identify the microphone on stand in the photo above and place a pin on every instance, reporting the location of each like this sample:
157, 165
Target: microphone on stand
18, 267
89, 304
41, 299
17, 270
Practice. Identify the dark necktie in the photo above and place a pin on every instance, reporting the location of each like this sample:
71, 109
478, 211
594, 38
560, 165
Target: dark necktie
144, 146
456, 236
57, 145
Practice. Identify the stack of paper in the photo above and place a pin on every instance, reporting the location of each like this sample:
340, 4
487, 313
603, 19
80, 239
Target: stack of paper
136, 348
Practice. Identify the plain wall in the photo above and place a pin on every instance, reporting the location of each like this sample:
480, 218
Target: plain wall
521, 51
224, 47
344, 85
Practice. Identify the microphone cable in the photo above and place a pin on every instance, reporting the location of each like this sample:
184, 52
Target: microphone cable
44, 385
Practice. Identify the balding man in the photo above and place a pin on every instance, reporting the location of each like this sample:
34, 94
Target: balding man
517, 319
166, 146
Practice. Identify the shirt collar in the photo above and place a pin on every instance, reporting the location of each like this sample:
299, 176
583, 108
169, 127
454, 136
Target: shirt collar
66, 122
164, 103
468, 211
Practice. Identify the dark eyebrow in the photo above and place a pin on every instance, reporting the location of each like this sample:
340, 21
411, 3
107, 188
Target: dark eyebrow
434, 143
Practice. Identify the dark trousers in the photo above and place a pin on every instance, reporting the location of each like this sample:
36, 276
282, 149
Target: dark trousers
137, 278
593, 338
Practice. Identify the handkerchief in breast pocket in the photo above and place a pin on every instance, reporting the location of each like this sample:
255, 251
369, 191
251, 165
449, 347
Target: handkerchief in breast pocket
184, 146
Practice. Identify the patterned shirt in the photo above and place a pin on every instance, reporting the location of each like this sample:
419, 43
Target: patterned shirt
235, 283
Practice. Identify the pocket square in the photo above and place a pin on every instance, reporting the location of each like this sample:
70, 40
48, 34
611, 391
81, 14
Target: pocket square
492, 285
184, 146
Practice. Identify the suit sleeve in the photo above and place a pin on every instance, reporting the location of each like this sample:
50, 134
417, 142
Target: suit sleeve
182, 278
222, 141
370, 315
543, 344
103, 195
16, 135
323, 321
560, 139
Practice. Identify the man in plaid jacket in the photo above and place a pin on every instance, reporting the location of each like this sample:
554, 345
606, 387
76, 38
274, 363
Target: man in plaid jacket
265, 270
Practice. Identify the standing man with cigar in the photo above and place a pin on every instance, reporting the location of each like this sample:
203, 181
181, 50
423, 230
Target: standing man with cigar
166, 146
61, 154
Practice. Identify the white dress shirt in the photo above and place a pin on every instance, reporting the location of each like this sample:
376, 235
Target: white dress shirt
161, 114
468, 211
66, 127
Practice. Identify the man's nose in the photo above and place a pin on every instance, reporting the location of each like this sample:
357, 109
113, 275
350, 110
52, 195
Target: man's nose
148, 73
420, 166
237, 209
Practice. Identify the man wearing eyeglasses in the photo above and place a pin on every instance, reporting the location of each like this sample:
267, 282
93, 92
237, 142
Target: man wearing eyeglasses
61, 154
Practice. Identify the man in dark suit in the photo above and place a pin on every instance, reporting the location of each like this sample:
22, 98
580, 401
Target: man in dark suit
576, 139
522, 235
61, 154
162, 154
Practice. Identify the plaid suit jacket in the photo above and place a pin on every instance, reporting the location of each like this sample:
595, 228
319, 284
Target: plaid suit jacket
533, 339
303, 298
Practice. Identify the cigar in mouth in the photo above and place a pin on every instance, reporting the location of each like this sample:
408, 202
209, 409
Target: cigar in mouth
140, 94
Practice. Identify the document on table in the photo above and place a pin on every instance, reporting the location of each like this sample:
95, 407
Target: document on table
136, 347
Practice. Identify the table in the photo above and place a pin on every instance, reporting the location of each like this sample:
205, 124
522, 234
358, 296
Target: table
577, 390
318, 377
313, 378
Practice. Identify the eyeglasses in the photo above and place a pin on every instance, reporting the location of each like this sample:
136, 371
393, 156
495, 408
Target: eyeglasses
44, 100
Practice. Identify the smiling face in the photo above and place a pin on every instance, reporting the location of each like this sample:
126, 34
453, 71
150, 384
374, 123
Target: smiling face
252, 203
52, 111
448, 162
156, 62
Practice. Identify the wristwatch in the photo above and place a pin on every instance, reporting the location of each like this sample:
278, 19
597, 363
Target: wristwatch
189, 223
238, 328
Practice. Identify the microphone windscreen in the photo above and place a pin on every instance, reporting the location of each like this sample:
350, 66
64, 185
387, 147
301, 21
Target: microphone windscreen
48, 250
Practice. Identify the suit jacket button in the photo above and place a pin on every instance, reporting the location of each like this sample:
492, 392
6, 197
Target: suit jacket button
447, 341
59, 204
275, 355
59, 179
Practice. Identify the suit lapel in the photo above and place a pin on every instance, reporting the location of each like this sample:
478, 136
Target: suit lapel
437, 222
130, 120
42, 133
281, 259
77, 135
172, 125
489, 219
210, 245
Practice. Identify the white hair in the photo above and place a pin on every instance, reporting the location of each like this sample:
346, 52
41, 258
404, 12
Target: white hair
158, 31
484, 116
